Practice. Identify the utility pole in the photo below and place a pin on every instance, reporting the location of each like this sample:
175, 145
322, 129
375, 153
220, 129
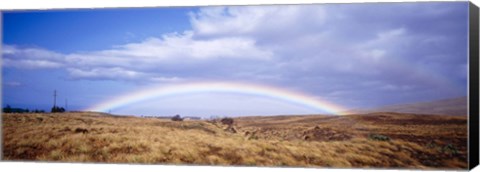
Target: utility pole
55, 98
66, 104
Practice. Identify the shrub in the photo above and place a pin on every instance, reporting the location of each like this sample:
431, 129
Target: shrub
227, 121
378, 137
450, 149
177, 118
431, 145
81, 130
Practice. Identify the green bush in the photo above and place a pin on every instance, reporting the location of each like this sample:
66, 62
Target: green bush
379, 137
450, 149
431, 145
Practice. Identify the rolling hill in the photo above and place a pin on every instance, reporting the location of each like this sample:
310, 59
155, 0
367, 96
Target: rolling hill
453, 106
376, 140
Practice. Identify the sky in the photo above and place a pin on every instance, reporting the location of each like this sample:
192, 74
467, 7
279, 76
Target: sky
351, 55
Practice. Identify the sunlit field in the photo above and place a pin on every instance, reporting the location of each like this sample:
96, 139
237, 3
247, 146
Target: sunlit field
377, 140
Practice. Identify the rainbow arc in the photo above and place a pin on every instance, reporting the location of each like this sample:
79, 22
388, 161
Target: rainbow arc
276, 93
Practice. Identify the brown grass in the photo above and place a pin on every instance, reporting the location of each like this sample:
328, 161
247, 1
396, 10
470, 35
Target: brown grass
416, 141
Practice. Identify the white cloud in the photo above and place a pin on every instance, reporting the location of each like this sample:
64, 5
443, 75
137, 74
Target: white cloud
31, 53
169, 53
166, 79
13, 83
134, 60
30, 58
105, 73
172, 47
31, 64
7, 49
258, 21
388, 35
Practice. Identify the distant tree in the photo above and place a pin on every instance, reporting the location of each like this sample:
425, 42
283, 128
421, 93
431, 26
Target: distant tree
7, 109
177, 118
57, 109
38, 111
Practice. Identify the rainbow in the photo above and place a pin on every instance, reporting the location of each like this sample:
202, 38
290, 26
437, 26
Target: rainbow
297, 98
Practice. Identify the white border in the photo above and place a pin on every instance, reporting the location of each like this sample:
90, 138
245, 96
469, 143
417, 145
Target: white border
62, 4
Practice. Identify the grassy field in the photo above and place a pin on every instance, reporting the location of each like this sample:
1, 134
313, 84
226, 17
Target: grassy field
378, 140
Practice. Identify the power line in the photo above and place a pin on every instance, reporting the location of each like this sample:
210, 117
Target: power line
54, 98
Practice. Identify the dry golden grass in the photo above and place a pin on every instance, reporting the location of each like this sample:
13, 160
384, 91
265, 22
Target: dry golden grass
416, 141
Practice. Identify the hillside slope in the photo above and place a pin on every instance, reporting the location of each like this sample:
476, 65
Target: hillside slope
370, 140
453, 106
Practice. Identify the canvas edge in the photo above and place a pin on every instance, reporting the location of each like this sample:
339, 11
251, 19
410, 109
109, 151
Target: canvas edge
473, 101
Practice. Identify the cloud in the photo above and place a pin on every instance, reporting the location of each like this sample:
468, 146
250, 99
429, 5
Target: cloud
172, 48
32, 64
13, 84
117, 73
327, 50
104, 73
135, 61
31, 58
260, 21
